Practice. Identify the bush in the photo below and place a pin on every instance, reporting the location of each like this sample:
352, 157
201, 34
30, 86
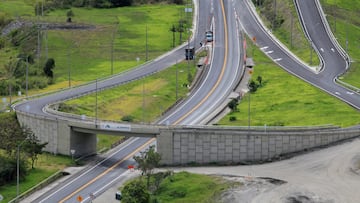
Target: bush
49, 65
135, 192
232, 118
233, 104
128, 118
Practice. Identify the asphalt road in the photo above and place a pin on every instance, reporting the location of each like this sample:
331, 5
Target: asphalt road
221, 79
334, 62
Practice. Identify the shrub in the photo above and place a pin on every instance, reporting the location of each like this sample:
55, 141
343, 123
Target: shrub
232, 118
128, 118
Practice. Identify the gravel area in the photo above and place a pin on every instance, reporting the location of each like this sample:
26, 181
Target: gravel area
328, 175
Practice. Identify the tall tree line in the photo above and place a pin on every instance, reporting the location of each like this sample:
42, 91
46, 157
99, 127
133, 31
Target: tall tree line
53, 4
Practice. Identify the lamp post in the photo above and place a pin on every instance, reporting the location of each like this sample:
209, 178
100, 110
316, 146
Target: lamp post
72, 151
249, 63
18, 168
27, 77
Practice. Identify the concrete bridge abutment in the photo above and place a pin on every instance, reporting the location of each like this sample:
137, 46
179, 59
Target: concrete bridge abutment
59, 135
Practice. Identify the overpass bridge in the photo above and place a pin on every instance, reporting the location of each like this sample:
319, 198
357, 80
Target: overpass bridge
186, 144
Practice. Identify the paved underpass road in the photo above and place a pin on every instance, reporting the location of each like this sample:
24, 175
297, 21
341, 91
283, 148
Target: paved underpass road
323, 176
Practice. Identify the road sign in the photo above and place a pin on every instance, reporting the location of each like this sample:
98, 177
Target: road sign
79, 198
188, 10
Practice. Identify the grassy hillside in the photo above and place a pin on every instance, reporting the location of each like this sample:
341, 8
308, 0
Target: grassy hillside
118, 40
344, 20
143, 100
285, 100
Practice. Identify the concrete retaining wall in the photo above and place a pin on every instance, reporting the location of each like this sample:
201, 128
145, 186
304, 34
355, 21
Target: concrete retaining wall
59, 135
212, 145
184, 145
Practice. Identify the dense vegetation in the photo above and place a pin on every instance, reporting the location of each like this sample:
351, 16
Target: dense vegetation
169, 186
55, 4
15, 137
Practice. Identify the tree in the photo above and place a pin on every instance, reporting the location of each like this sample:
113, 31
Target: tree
253, 86
259, 79
49, 65
233, 104
69, 15
32, 146
147, 161
135, 192
173, 30
11, 133
120, 3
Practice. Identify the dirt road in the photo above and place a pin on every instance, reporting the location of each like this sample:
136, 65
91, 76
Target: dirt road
326, 175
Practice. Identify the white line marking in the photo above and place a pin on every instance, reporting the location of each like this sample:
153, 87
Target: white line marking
337, 93
278, 59
321, 49
269, 52
351, 93
263, 48
332, 49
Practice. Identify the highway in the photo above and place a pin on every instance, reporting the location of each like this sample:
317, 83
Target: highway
334, 61
222, 77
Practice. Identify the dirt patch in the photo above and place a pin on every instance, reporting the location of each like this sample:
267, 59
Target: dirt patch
16, 24
250, 188
305, 198
355, 165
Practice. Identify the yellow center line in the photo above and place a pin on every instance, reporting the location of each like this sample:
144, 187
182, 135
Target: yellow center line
107, 170
178, 121
222, 70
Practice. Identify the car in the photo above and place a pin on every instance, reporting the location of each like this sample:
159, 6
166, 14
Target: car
209, 36
118, 195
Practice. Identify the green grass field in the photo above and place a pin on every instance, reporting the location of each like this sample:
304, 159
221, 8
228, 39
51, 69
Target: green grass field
90, 51
186, 187
289, 101
121, 36
157, 91
45, 166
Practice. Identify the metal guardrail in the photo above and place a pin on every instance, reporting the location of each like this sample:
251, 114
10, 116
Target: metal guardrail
37, 187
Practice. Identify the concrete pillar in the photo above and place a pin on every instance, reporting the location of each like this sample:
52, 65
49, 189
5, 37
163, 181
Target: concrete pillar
83, 143
165, 147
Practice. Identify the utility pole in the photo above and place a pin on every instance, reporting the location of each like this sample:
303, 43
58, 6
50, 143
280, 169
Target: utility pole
112, 54
347, 35
249, 110
18, 169
27, 76
38, 45
334, 16
96, 102
146, 44
310, 44
143, 100
46, 45
69, 68
291, 31
274, 21
176, 66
